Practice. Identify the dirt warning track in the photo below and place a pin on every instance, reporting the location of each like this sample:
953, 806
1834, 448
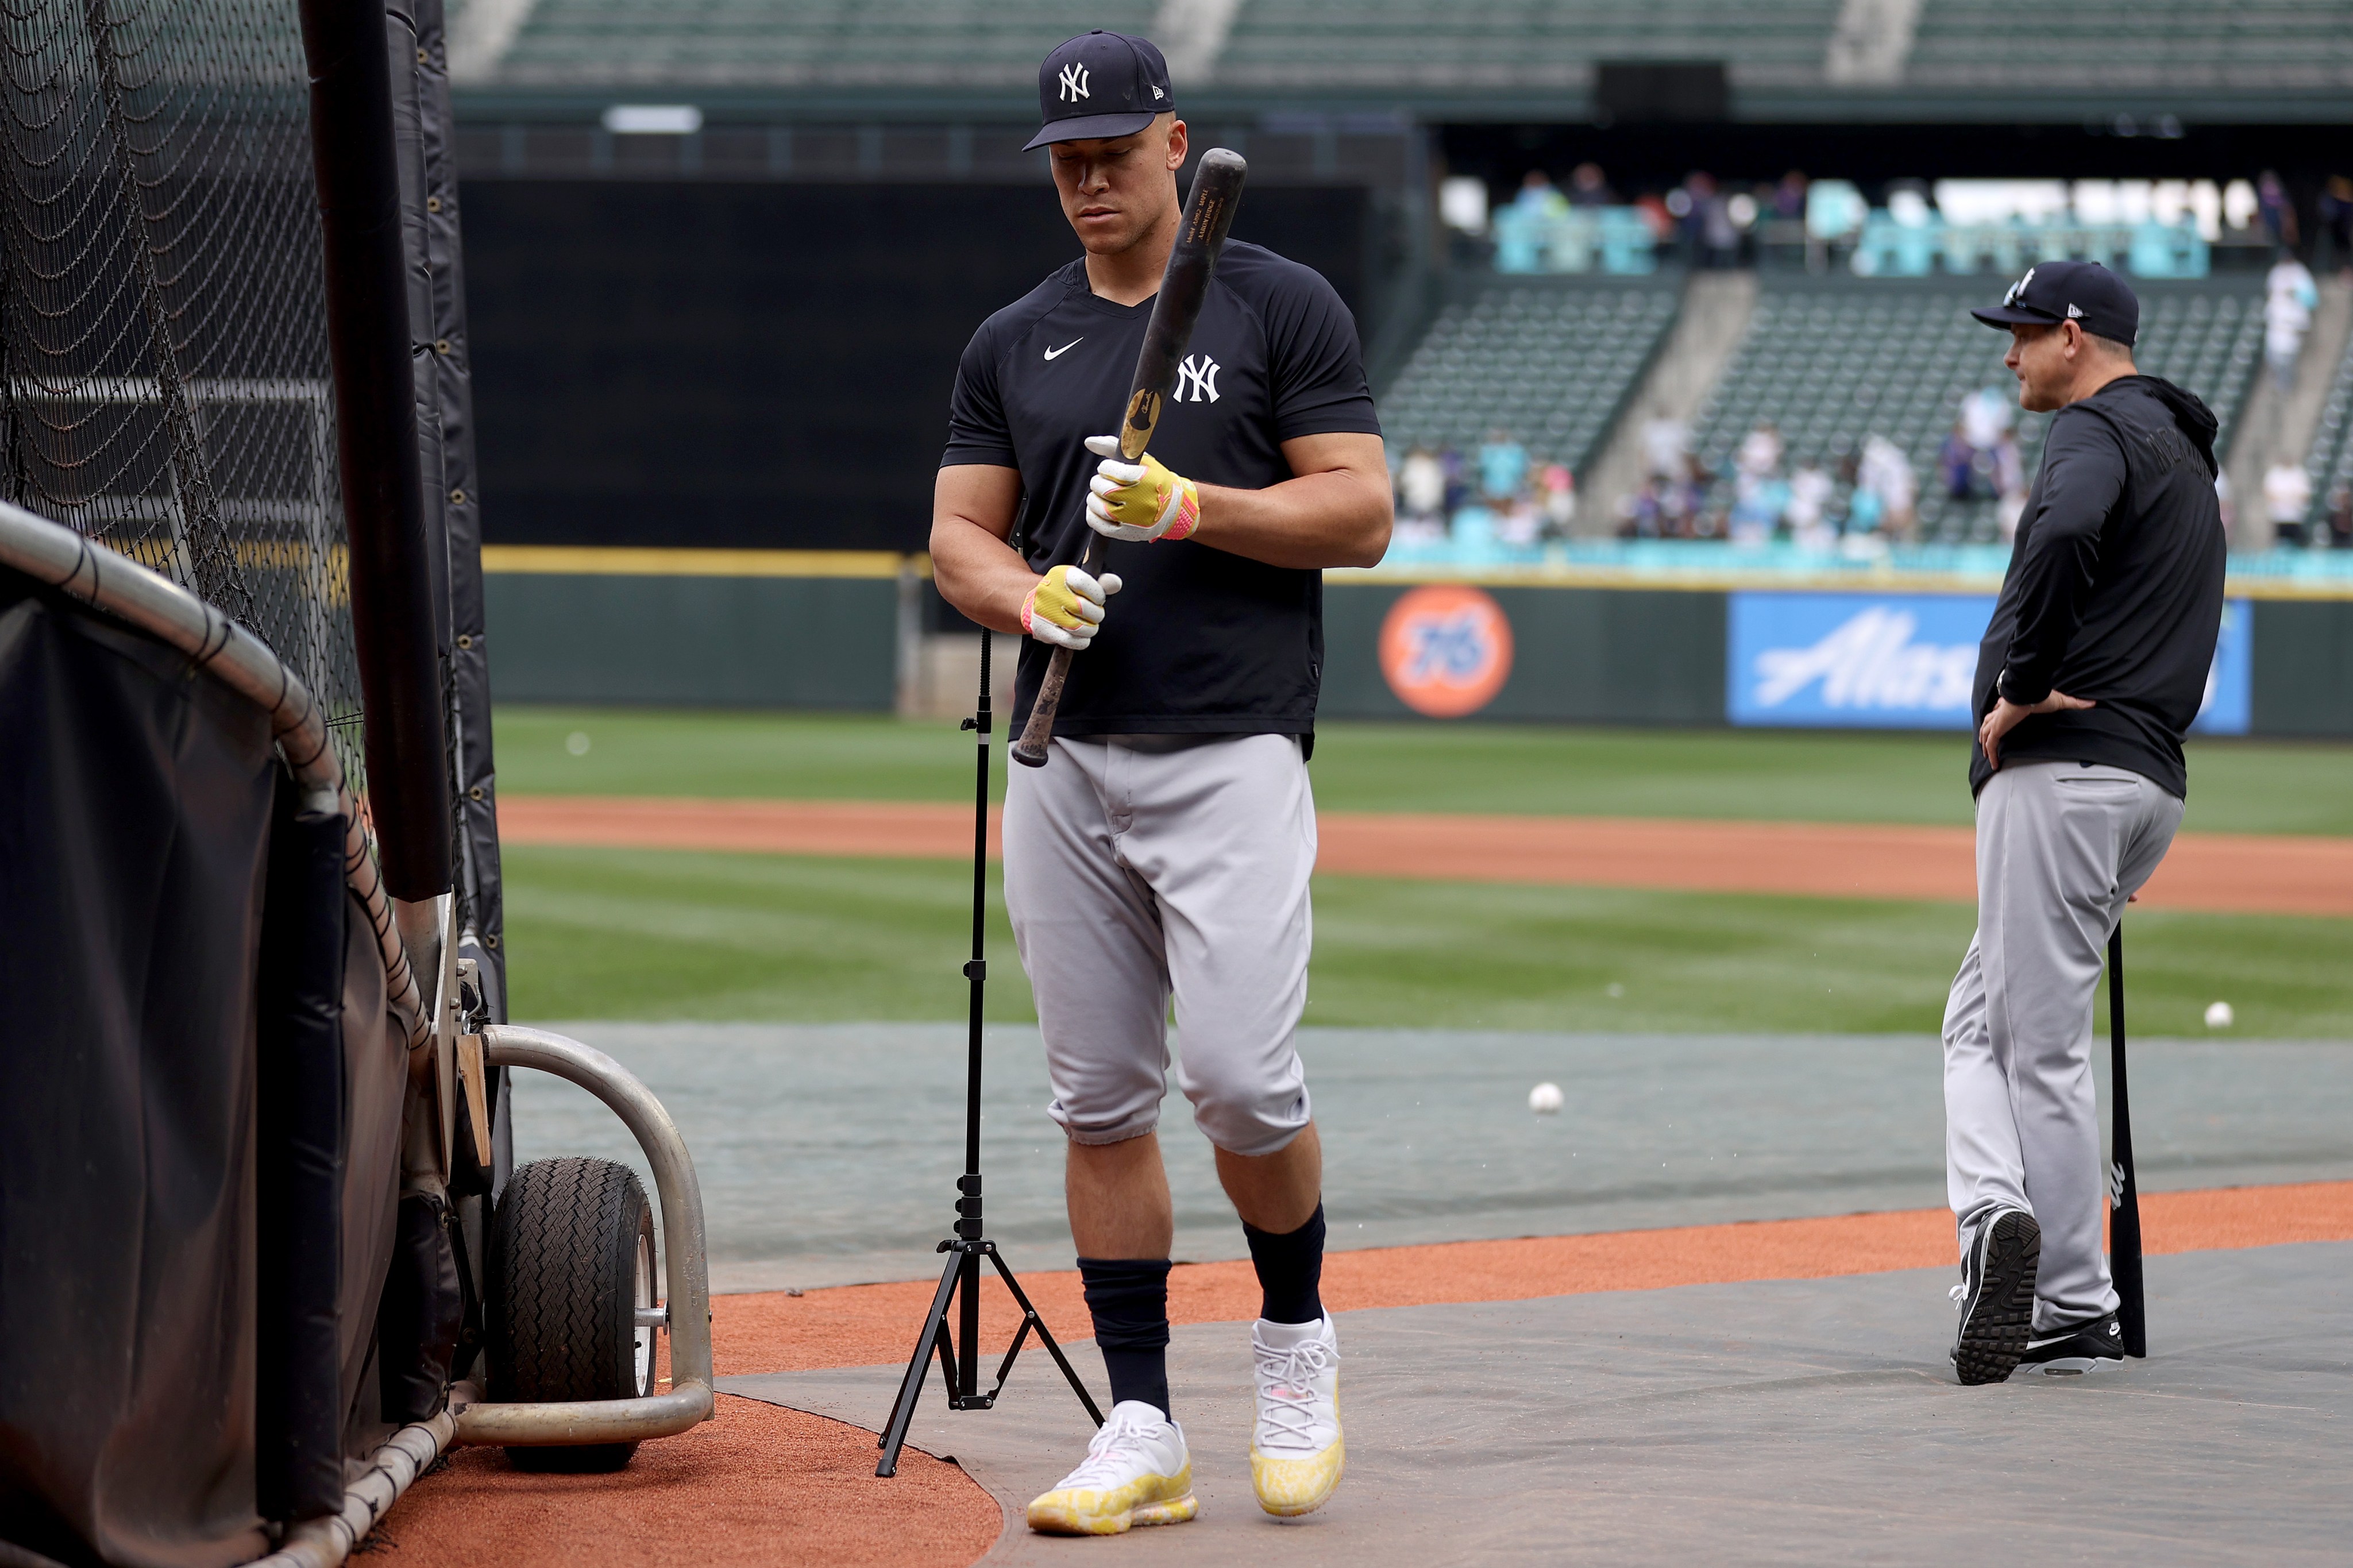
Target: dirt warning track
2217, 872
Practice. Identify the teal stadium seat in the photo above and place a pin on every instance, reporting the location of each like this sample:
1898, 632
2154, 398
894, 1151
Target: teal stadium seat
1834, 363
2330, 461
1553, 361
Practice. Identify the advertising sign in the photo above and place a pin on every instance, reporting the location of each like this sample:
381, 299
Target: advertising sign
1904, 661
1446, 650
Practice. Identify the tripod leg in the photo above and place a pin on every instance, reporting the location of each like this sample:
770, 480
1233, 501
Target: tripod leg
1045, 1337
910, 1388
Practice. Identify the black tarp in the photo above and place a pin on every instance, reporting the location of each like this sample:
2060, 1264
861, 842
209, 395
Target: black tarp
134, 815
136, 805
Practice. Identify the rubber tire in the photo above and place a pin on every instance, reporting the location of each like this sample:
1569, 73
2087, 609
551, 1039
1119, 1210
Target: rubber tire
562, 1310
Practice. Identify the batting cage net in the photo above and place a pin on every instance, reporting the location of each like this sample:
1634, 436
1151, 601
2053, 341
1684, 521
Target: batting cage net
163, 325
165, 385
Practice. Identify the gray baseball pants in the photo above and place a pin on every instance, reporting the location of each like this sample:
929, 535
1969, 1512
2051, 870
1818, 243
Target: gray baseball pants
2061, 846
1142, 867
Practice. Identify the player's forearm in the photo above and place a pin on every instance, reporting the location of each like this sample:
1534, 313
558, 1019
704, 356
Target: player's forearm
979, 574
1339, 518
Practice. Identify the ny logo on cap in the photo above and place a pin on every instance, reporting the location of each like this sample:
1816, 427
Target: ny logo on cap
2018, 288
1074, 82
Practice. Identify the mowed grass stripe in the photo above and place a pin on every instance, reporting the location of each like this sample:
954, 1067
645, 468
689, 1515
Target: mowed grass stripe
610, 933
2236, 786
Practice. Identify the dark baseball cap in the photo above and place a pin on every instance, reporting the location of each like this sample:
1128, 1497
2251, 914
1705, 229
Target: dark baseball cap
1101, 84
2081, 291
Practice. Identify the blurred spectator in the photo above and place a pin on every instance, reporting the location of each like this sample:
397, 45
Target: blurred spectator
1760, 497
2289, 295
1807, 514
1658, 213
1589, 188
1517, 523
2335, 210
1421, 496
1884, 474
2287, 496
2008, 483
1758, 506
1538, 195
1789, 197
1665, 440
2277, 209
1669, 505
1558, 488
1457, 479
1503, 467
1956, 463
1710, 236
1846, 494
1988, 416
2340, 519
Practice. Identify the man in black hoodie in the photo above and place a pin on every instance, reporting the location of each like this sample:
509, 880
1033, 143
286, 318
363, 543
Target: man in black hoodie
2092, 670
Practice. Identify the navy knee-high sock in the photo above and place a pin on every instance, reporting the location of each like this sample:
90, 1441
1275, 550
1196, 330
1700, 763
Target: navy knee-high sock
1289, 1270
1128, 1299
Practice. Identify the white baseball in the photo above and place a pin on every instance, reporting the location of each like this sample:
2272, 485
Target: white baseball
2218, 1015
1546, 1099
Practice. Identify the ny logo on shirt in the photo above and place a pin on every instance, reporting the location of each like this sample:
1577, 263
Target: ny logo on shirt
1198, 375
1074, 83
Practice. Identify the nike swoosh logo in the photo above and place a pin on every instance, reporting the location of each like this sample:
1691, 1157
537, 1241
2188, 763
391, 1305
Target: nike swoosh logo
1066, 348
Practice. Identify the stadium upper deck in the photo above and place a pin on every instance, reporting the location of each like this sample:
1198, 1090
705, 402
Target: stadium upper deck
1951, 60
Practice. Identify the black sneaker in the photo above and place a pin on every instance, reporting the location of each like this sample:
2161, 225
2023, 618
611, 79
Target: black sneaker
1997, 1297
2075, 1350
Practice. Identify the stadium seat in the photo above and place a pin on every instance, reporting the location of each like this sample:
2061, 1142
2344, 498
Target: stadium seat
2330, 461
1550, 360
1832, 364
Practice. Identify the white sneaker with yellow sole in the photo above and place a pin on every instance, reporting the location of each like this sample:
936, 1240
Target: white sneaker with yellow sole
1296, 1453
1136, 1472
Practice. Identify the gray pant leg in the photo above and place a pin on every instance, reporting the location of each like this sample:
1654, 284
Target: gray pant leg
1088, 934
1224, 834
2060, 849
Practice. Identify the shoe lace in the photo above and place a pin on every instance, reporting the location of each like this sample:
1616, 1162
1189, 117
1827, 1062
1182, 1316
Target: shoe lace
1284, 1376
1114, 1442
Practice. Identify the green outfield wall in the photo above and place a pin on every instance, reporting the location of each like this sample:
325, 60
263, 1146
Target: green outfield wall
812, 629
692, 629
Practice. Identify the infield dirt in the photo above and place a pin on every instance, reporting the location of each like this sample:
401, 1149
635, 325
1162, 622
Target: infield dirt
2214, 873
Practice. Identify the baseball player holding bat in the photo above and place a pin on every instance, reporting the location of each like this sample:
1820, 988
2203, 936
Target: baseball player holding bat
1164, 849
2092, 671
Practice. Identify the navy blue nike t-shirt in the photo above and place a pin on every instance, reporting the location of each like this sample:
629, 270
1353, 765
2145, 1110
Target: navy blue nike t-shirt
1198, 641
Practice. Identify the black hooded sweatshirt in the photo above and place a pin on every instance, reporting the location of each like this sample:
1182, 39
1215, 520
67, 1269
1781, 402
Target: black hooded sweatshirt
2114, 587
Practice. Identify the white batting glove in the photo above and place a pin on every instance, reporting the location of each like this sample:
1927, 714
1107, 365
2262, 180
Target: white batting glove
1139, 501
1066, 607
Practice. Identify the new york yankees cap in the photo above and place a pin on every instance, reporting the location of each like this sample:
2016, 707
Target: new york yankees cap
2080, 291
1101, 84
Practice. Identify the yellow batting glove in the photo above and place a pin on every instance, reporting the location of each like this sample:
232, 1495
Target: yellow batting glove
1141, 500
1066, 607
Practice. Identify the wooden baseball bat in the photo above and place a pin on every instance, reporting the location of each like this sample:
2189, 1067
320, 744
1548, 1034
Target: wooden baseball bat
1209, 213
2124, 1191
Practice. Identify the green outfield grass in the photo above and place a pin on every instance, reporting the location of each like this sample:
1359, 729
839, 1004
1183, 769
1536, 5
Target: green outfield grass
2236, 786
605, 933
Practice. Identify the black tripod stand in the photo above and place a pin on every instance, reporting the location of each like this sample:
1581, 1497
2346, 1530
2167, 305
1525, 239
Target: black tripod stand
960, 1280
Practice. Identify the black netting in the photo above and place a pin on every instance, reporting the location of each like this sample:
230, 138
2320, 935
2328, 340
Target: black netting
164, 375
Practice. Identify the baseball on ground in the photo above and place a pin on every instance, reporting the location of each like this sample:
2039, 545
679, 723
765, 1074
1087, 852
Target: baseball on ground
1544, 1100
